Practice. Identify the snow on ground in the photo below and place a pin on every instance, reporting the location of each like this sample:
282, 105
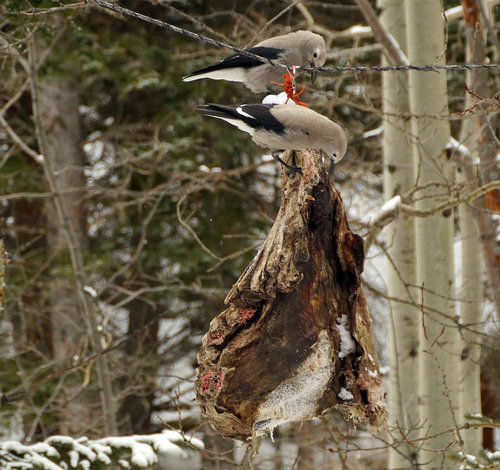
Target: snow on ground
57, 451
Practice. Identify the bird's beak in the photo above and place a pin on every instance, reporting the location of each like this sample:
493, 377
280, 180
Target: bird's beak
331, 171
314, 72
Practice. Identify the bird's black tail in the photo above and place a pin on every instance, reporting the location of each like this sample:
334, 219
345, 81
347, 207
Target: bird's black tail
218, 111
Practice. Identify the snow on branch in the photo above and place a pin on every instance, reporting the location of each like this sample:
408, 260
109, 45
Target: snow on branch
64, 452
395, 206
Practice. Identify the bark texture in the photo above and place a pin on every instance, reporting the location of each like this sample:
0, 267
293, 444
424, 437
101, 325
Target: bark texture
439, 399
471, 288
296, 338
3, 264
399, 178
46, 123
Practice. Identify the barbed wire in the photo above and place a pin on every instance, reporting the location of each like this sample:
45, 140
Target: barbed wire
330, 69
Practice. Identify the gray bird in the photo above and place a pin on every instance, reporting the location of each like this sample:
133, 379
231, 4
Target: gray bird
283, 127
301, 48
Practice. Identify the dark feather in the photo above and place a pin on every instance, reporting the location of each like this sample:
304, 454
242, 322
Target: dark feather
242, 61
262, 118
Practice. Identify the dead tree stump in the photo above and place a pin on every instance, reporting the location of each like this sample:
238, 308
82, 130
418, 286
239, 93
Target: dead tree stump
296, 338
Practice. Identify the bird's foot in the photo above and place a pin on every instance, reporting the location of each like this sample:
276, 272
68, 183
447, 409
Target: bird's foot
291, 170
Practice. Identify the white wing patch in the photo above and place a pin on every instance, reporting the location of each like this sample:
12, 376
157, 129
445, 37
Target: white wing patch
239, 124
239, 110
231, 75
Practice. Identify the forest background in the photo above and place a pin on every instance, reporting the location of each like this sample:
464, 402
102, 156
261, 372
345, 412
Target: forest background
126, 217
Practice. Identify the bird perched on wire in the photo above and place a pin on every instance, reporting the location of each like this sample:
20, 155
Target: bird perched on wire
301, 48
283, 127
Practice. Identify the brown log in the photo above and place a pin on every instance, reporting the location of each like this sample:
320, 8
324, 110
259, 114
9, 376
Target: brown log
276, 354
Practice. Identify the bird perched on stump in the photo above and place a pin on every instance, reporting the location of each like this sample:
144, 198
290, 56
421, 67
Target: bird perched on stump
301, 48
283, 127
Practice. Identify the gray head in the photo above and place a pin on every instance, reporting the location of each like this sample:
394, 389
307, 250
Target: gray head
313, 48
336, 146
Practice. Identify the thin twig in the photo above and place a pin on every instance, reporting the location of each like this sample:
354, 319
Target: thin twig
191, 231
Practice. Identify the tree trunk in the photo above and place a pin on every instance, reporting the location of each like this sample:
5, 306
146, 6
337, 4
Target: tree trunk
438, 356
485, 133
296, 337
400, 240
471, 289
3, 264
43, 128
141, 347
58, 106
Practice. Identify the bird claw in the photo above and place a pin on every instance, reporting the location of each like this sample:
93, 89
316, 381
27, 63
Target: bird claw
291, 171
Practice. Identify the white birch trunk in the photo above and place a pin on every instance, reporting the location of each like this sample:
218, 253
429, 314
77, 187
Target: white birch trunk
471, 289
471, 293
438, 356
400, 240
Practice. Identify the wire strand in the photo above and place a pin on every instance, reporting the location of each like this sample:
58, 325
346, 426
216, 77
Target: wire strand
331, 69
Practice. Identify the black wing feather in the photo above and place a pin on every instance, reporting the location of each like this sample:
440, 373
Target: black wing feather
242, 61
261, 115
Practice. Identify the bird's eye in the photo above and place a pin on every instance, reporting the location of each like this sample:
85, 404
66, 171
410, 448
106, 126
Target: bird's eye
315, 55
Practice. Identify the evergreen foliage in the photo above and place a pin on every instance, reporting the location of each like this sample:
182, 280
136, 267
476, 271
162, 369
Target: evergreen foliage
64, 452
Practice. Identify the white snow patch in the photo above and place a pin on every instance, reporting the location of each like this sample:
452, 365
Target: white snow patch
373, 132
74, 458
44, 448
357, 30
267, 157
462, 149
384, 370
90, 290
85, 464
454, 13
206, 169
347, 344
345, 394
29, 456
144, 449
493, 455
468, 458
281, 98
389, 206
